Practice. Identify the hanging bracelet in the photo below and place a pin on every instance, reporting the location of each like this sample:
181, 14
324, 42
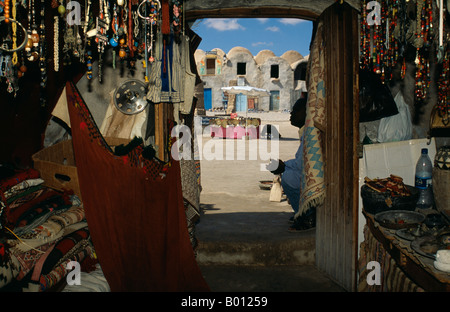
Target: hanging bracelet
22, 46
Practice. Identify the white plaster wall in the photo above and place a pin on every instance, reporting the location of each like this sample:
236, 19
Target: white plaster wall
257, 75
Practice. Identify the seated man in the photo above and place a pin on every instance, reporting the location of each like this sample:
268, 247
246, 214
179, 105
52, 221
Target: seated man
291, 171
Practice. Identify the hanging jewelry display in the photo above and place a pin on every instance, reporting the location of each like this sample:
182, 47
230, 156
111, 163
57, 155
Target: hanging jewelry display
114, 41
84, 38
101, 36
365, 38
149, 11
443, 87
379, 42
9, 47
56, 44
71, 38
89, 61
443, 101
33, 36
131, 43
422, 44
42, 56
122, 31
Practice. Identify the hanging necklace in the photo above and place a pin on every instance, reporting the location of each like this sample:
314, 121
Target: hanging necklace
422, 43
83, 37
56, 43
443, 102
33, 37
42, 60
101, 37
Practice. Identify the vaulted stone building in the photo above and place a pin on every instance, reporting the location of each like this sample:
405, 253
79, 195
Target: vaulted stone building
279, 75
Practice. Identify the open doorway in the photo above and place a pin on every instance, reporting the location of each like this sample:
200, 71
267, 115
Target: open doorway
240, 223
247, 51
337, 243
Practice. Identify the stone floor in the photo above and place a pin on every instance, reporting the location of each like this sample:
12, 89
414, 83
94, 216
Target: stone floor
244, 245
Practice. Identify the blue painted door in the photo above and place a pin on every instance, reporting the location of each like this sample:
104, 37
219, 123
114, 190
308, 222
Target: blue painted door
241, 102
274, 100
207, 98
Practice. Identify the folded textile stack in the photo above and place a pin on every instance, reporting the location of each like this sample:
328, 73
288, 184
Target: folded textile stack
42, 230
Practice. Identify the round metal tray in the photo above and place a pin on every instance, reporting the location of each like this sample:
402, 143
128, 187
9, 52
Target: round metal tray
399, 219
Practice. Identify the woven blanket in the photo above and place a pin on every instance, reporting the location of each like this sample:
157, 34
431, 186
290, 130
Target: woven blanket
312, 179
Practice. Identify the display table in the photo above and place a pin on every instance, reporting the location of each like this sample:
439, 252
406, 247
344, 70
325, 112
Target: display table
401, 268
235, 132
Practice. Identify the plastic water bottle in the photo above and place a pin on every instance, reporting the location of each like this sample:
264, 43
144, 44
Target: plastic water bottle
423, 180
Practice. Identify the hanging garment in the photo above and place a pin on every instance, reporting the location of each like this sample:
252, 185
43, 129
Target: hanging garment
135, 213
171, 78
312, 183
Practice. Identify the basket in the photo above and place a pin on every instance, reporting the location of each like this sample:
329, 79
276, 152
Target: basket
375, 202
57, 167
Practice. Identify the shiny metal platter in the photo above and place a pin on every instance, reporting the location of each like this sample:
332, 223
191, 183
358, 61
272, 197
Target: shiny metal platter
130, 97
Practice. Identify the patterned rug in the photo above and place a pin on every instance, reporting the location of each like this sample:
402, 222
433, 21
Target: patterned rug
312, 180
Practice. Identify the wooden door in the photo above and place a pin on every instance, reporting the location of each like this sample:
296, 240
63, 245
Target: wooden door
241, 102
207, 98
337, 220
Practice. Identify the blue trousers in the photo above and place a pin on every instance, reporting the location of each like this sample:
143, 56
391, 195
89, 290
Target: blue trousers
293, 194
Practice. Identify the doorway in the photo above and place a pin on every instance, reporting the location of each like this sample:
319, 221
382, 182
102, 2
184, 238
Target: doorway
241, 102
337, 251
274, 101
207, 98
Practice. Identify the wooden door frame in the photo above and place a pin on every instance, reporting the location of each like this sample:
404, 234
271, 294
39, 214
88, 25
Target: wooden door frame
337, 222
349, 131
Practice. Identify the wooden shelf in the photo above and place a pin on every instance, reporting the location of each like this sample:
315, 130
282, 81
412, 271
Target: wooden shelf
410, 263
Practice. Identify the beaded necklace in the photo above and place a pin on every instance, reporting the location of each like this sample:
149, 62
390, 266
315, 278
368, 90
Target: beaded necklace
422, 43
33, 37
101, 36
379, 42
443, 102
443, 97
42, 59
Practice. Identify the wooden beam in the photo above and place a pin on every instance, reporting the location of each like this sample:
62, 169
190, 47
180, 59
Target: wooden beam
163, 112
242, 12
336, 233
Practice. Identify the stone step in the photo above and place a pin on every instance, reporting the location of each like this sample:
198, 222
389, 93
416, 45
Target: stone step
298, 251
257, 235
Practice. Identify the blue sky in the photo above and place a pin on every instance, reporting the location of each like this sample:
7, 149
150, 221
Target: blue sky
255, 34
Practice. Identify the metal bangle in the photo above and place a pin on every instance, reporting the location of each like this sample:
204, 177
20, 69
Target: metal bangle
139, 8
22, 46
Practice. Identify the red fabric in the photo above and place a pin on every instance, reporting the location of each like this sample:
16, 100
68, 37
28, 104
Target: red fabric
20, 176
136, 218
165, 13
15, 210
